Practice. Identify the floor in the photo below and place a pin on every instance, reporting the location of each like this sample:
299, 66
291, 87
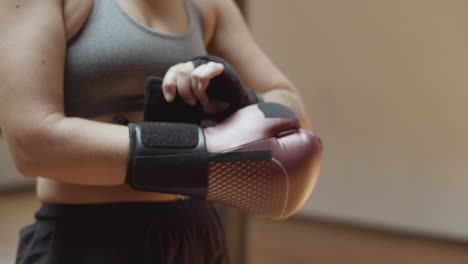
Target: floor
307, 241
274, 242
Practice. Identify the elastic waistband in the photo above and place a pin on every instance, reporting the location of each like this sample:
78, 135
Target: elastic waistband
173, 212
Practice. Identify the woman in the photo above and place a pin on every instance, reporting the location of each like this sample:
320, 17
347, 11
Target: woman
71, 74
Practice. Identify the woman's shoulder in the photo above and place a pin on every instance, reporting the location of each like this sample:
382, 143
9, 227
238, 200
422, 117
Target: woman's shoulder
30, 19
73, 13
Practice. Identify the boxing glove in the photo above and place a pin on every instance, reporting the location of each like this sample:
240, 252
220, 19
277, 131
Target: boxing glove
258, 160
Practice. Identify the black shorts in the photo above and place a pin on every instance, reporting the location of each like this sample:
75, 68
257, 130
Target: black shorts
183, 231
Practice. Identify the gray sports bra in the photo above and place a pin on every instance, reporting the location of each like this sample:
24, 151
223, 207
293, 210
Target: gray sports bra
109, 60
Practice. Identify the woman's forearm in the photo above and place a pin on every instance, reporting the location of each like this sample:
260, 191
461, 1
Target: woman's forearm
79, 151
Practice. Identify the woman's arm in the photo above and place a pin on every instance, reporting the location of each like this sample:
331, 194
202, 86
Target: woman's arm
232, 41
41, 140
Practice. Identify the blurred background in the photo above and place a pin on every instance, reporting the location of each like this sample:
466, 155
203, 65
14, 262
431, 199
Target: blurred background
385, 84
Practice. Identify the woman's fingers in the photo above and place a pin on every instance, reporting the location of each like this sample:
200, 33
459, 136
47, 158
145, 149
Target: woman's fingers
184, 87
190, 83
196, 84
169, 85
206, 72
201, 77
177, 81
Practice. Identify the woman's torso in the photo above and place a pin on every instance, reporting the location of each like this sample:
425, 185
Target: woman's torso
167, 17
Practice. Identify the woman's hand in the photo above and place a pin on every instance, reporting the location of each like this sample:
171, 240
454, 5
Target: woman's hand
190, 84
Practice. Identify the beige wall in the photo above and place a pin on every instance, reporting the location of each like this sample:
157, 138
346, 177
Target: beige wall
386, 86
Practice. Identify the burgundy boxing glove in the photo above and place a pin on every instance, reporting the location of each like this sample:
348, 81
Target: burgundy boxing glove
258, 160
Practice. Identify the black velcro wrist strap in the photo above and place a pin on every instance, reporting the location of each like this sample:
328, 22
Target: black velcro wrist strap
169, 135
168, 158
157, 109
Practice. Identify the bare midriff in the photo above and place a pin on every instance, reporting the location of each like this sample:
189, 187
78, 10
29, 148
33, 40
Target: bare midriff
52, 191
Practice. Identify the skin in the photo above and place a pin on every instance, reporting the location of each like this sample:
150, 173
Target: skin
79, 160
